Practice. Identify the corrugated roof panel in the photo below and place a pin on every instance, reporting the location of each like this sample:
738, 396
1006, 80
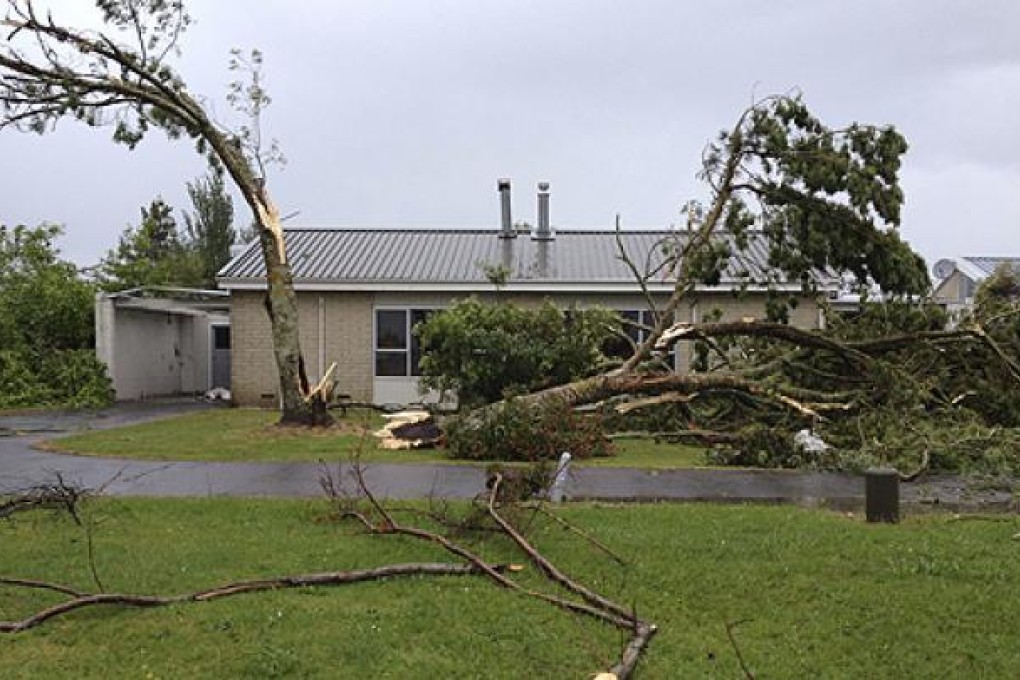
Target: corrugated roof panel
455, 256
988, 265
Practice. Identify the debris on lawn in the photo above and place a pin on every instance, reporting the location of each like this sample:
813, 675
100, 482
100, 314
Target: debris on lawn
408, 430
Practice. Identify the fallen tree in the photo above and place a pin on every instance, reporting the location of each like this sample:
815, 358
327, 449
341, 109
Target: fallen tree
826, 203
826, 200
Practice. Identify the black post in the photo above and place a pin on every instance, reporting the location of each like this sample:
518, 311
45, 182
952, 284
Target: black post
882, 495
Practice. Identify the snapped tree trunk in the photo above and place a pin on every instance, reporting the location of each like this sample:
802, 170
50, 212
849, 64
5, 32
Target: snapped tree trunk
298, 404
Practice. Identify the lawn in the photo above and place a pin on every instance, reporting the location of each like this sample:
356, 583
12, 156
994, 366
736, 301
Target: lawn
808, 594
249, 435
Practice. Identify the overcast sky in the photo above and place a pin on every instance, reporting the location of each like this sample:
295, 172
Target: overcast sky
404, 113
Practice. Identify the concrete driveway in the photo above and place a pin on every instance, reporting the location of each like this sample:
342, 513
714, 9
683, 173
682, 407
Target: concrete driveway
21, 466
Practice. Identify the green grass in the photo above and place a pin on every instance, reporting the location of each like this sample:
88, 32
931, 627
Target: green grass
818, 595
229, 435
249, 435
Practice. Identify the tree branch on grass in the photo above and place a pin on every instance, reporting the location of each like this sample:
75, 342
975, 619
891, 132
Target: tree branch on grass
56, 496
730, 627
81, 600
380, 520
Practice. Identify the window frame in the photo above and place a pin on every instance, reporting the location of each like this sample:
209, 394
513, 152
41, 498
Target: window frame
412, 347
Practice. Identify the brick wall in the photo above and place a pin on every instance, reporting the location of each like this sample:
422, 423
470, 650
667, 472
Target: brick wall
340, 328
252, 366
346, 335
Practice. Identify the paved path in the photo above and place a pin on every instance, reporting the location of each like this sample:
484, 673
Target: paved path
21, 466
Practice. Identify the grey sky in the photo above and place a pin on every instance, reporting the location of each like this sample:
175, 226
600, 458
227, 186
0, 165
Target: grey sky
404, 113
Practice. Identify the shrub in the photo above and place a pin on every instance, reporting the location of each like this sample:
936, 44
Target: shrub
19, 386
76, 378
484, 351
517, 431
72, 378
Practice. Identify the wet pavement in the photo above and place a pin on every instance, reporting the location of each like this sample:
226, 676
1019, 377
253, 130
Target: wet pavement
22, 466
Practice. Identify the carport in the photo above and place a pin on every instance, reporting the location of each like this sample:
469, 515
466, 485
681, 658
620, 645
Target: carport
164, 341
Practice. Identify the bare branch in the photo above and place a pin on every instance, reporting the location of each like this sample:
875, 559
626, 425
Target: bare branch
59, 496
334, 578
686, 332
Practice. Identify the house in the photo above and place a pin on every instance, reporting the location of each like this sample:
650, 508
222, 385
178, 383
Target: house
958, 279
159, 342
361, 291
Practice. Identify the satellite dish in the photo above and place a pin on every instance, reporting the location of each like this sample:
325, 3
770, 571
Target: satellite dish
943, 269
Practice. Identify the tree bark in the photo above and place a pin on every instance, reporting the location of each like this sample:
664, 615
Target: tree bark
297, 407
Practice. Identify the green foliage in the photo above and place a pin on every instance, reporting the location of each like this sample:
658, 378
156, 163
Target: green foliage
72, 378
44, 304
828, 199
46, 325
514, 430
248, 96
977, 376
883, 319
150, 255
484, 351
18, 384
764, 447
76, 378
156, 253
948, 407
668, 417
81, 84
210, 227
955, 440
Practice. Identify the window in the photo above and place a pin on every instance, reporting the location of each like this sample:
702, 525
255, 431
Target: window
397, 350
637, 324
221, 337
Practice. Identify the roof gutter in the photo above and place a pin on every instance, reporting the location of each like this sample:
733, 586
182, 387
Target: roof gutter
541, 286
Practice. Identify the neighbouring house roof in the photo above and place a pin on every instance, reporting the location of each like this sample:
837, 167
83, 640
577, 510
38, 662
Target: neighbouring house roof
988, 265
976, 268
455, 259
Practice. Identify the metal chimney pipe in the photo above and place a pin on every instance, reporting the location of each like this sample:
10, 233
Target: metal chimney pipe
506, 229
544, 232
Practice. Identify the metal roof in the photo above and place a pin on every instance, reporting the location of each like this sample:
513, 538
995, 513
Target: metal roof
339, 258
986, 266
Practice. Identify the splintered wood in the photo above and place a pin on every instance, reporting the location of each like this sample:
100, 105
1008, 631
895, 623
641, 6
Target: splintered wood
408, 430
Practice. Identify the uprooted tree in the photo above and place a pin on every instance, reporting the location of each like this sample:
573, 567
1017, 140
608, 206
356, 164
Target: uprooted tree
892, 385
824, 199
122, 77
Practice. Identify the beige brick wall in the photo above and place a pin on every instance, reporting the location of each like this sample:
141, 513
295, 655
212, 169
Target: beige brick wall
345, 336
252, 366
349, 332
343, 322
